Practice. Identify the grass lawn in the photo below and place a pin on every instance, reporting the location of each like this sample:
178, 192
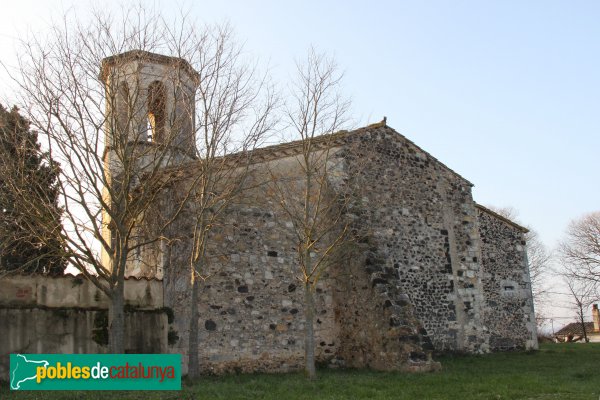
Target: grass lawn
557, 371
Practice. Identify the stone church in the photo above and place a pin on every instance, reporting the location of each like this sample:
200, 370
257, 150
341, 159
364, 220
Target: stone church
435, 272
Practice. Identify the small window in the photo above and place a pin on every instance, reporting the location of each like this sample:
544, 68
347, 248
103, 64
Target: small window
156, 112
509, 288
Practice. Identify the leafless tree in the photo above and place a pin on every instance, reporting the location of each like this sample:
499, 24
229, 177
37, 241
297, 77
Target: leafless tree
580, 250
580, 263
113, 150
584, 294
304, 190
235, 114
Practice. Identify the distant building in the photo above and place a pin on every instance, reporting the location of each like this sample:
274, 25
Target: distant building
574, 331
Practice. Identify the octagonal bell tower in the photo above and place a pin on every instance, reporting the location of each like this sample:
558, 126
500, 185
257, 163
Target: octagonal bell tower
150, 101
149, 125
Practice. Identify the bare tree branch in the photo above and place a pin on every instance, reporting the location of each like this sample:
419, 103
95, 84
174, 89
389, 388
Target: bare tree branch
118, 134
234, 113
303, 188
580, 250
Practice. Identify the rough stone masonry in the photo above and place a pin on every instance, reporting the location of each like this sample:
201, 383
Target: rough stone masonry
434, 270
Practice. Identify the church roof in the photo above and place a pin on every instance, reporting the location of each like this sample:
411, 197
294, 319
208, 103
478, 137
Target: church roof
336, 139
281, 150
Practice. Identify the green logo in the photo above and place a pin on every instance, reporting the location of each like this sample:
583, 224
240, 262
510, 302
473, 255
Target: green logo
95, 372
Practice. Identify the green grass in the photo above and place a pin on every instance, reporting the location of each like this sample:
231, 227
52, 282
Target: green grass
557, 371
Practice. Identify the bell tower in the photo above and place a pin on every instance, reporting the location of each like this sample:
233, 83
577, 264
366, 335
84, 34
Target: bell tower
150, 102
149, 125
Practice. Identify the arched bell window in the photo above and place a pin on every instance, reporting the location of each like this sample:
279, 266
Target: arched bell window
156, 112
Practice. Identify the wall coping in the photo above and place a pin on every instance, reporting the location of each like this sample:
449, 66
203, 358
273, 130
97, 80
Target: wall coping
70, 291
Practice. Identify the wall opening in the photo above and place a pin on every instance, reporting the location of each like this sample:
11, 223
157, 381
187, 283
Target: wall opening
156, 112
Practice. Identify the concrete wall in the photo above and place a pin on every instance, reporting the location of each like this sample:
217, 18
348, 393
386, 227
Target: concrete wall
68, 315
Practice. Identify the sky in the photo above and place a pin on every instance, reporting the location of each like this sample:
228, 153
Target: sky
506, 93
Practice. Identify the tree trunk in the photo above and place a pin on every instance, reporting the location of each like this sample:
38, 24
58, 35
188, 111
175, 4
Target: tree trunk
116, 320
582, 319
193, 362
309, 333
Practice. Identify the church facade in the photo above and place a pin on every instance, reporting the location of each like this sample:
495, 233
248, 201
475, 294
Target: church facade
433, 271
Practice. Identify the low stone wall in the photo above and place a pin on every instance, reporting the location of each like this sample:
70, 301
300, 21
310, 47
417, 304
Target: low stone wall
69, 315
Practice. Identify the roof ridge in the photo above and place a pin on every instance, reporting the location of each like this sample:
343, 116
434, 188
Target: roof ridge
286, 149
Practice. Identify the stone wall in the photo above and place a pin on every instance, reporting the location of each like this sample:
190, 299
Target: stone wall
69, 315
422, 223
415, 284
509, 313
251, 313
251, 305
377, 327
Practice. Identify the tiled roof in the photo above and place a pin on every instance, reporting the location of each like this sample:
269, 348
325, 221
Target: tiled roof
574, 328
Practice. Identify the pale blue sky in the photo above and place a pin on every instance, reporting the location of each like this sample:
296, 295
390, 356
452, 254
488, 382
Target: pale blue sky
506, 93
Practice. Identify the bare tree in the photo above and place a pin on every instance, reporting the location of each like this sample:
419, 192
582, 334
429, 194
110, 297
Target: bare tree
112, 135
304, 190
580, 262
584, 294
235, 114
580, 250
